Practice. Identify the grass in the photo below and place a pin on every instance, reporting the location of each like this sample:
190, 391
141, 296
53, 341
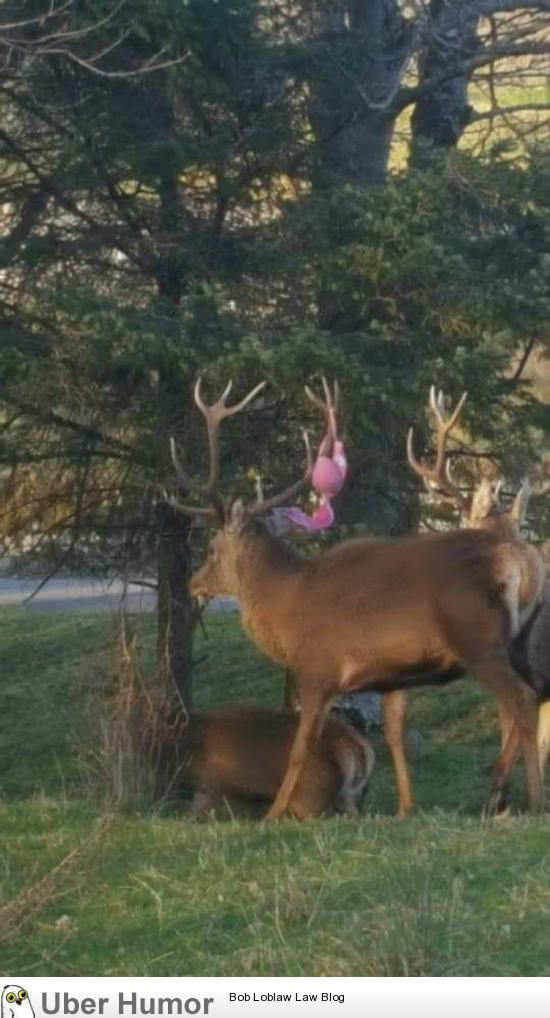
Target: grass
443, 894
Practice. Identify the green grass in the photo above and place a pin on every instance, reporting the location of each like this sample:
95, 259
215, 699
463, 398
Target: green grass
443, 894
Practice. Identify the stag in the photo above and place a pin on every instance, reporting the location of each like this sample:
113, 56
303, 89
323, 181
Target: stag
483, 509
237, 757
379, 614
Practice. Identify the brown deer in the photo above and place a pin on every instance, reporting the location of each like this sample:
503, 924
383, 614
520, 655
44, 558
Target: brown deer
368, 614
483, 510
237, 757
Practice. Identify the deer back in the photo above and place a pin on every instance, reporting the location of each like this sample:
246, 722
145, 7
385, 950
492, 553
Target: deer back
437, 586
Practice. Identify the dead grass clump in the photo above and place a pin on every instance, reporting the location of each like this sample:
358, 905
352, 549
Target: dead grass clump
37, 894
137, 730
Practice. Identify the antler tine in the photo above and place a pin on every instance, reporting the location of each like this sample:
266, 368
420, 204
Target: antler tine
337, 396
314, 399
214, 414
182, 476
204, 407
497, 491
439, 473
418, 467
216, 509
329, 407
264, 505
439, 476
244, 402
521, 501
331, 401
327, 392
456, 412
189, 510
181, 507
436, 403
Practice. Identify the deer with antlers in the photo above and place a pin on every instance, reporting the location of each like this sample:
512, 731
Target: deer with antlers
378, 614
482, 509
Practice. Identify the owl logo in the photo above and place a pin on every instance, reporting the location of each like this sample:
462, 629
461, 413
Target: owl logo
15, 1003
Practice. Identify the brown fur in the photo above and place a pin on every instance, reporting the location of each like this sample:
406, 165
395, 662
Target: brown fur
536, 666
237, 757
370, 614
520, 570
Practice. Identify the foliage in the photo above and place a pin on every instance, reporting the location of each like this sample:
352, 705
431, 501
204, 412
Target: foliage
443, 894
172, 222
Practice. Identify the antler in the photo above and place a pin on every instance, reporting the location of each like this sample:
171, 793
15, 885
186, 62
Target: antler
330, 407
213, 414
438, 476
264, 505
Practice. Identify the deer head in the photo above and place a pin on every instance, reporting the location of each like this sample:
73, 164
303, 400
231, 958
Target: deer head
483, 508
219, 574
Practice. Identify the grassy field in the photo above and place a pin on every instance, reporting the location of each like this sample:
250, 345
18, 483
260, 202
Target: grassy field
443, 894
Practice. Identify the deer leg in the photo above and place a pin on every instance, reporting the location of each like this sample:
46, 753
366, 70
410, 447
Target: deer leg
356, 783
346, 803
507, 725
395, 713
508, 730
509, 752
543, 735
494, 672
314, 701
346, 799
507, 759
291, 699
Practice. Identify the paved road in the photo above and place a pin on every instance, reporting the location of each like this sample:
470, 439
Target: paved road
85, 595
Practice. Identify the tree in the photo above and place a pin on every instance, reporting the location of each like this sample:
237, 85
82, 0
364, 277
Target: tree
75, 33
199, 197
119, 192
450, 62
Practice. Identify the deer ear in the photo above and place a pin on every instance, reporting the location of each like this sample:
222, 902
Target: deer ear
236, 515
482, 502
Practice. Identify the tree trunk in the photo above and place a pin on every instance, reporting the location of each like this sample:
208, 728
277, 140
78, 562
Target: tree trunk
356, 61
358, 51
442, 111
357, 154
175, 622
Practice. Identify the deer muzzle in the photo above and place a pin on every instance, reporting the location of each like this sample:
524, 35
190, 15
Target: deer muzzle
198, 589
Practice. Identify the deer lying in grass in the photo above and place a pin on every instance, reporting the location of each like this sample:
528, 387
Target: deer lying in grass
368, 614
483, 510
237, 758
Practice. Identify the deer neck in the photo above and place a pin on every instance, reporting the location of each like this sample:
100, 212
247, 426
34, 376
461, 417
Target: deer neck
267, 572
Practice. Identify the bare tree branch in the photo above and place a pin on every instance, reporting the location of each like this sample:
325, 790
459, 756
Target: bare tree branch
39, 36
